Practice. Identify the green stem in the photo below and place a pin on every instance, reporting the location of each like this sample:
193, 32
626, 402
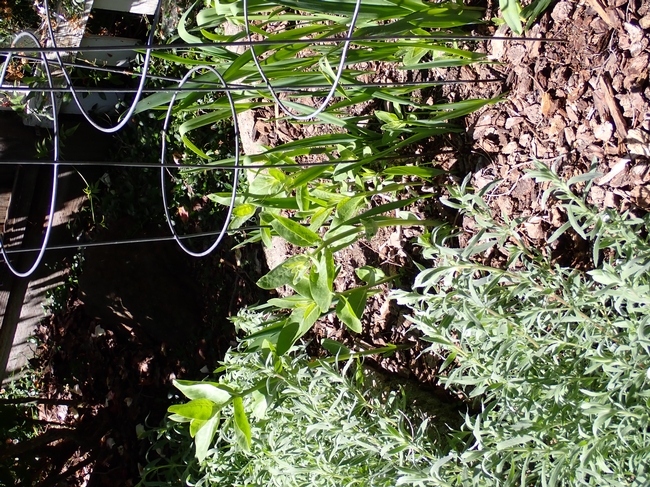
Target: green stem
367, 286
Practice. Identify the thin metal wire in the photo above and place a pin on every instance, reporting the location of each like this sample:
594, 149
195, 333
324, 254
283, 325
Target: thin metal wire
110, 243
143, 77
335, 82
212, 166
92, 67
55, 169
235, 178
187, 85
237, 88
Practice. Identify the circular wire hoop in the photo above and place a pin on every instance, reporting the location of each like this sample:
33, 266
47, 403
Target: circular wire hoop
335, 82
163, 185
55, 141
143, 77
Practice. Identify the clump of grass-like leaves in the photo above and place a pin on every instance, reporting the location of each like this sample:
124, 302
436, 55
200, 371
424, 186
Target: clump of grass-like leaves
556, 359
324, 208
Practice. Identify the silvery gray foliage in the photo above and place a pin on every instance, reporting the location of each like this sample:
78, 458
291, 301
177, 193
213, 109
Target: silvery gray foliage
556, 359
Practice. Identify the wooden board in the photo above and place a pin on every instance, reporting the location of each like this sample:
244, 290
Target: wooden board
145, 7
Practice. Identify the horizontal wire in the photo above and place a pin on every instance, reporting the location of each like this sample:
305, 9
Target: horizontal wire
237, 87
223, 167
92, 67
233, 88
132, 240
271, 42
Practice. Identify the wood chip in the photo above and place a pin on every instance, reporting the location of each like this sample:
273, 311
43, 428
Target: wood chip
612, 105
607, 16
603, 131
638, 142
615, 171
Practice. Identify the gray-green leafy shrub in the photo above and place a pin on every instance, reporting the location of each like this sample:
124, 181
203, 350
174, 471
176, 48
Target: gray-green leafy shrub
290, 421
556, 359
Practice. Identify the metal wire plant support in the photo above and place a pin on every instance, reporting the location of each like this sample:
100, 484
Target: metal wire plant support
37, 53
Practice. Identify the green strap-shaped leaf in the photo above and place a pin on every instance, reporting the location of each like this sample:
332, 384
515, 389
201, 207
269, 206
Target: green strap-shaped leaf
302, 198
419, 171
294, 232
511, 11
335, 347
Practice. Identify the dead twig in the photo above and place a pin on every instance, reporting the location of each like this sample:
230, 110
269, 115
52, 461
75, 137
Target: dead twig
612, 106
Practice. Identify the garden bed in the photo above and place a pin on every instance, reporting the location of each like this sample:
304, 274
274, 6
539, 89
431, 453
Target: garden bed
571, 104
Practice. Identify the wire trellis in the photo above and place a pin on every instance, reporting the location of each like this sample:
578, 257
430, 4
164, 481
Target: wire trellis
26, 46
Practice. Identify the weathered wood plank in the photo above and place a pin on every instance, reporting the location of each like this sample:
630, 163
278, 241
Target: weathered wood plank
145, 7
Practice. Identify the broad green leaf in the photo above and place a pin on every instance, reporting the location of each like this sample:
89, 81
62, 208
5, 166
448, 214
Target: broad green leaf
245, 210
386, 117
195, 409
370, 228
196, 425
294, 232
259, 405
242, 427
346, 314
202, 390
307, 318
320, 280
284, 273
302, 287
204, 437
319, 218
357, 300
370, 274
287, 337
347, 209
179, 419
301, 320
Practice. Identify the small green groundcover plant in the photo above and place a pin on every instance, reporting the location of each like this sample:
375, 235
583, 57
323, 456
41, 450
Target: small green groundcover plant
553, 361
